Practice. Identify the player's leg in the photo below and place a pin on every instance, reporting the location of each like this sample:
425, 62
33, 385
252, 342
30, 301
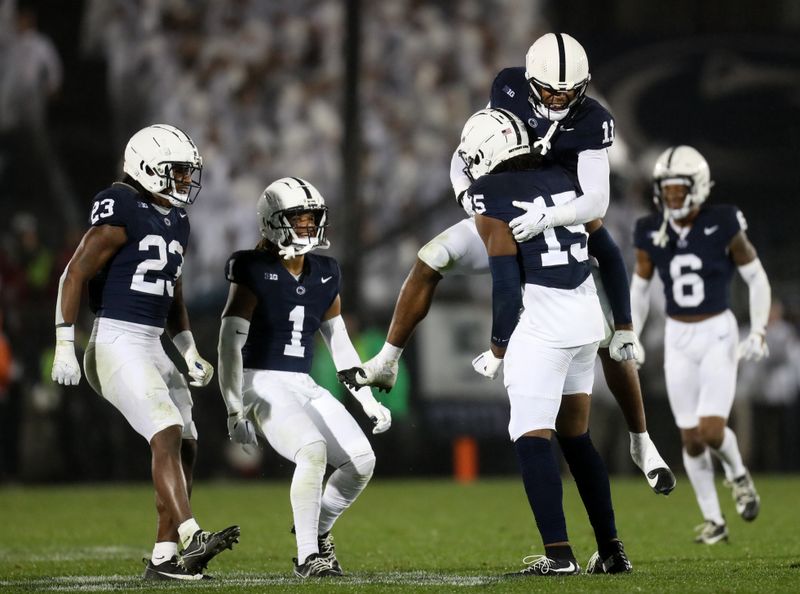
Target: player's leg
586, 465
534, 407
457, 250
350, 453
682, 355
718, 372
278, 403
622, 379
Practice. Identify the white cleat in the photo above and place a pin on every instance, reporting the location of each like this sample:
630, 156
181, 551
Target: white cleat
645, 455
748, 503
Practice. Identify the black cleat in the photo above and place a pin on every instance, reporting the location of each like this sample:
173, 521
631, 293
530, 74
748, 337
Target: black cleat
661, 480
617, 562
543, 565
173, 569
710, 533
748, 503
205, 545
348, 377
315, 566
327, 550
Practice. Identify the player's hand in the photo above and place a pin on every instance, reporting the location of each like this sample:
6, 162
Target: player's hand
242, 431
624, 346
535, 220
753, 348
487, 364
640, 356
380, 415
66, 370
200, 370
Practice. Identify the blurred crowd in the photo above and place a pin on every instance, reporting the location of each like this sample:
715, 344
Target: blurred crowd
259, 87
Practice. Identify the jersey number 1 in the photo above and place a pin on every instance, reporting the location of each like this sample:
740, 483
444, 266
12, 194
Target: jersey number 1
295, 348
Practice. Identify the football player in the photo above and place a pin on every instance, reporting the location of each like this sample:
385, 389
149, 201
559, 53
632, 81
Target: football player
131, 257
695, 247
575, 131
281, 294
549, 351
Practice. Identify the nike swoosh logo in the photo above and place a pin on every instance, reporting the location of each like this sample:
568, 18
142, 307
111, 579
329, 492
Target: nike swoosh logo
242, 333
325, 280
541, 218
568, 569
161, 557
182, 214
710, 230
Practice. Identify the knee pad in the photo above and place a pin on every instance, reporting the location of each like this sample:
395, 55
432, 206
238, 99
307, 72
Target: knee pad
361, 465
312, 454
436, 255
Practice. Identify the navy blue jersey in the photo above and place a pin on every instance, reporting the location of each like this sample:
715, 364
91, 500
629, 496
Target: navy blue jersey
289, 311
138, 282
696, 269
590, 127
556, 258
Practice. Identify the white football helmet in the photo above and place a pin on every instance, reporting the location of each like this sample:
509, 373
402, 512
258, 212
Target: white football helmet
490, 137
556, 62
165, 161
682, 165
283, 199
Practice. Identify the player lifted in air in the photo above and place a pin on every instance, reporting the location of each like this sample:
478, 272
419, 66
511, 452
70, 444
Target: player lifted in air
575, 131
696, 247
549, 351
132, 258
281, 294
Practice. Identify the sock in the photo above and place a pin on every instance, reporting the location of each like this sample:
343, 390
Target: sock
559, 552
591, 477
389, 352
728, 453
305, 494
543, 487
186, 530
163, 552
342, 489
701, 475
639, 444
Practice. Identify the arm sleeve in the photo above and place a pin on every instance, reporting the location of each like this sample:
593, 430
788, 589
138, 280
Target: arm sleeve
640, 302
232, 336
593, 172
334, 333
458, 178
760, 295
506, 298
613, 274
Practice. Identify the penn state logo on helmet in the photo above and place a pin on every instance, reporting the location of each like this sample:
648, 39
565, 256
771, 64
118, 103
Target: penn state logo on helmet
681, 165
166, 162
279, 207
490, 137
557, 63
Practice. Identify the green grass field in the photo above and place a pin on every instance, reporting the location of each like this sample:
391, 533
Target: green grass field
401, 536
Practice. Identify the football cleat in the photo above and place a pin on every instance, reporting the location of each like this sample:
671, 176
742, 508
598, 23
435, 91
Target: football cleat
748, 503
544, 565
617, 562
172, 569
315, 566
710, 533
205, 545
327, 550
375, 372
659, 476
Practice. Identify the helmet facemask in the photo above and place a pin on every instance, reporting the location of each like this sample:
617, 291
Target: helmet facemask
181, 182
296, 239
491, 137
547, 110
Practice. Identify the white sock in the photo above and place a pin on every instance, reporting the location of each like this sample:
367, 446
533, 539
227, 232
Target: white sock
639, 444
701, 474
728, 453
186, 530
163, 552
343, 487
305, 494
389, 352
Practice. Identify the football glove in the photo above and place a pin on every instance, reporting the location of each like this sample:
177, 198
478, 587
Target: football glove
535, 220
487, 364
624, 345
753, 348
242, 431
200, 370
380, 415
465, 200
66, 370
